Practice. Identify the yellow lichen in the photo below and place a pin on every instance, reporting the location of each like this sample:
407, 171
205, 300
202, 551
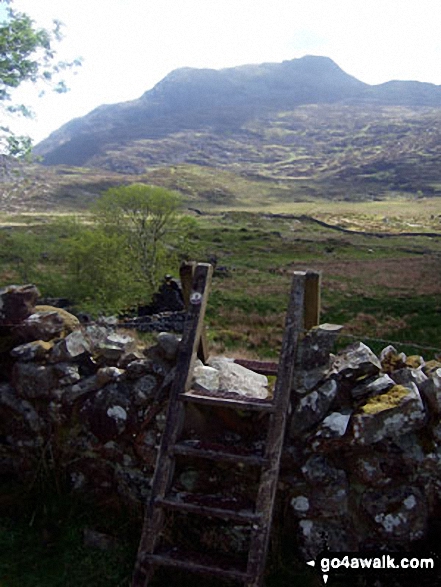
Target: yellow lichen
385, 401
431, 366
414, 361
70, 321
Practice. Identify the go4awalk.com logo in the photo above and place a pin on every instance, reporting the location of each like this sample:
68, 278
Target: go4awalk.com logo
348, 565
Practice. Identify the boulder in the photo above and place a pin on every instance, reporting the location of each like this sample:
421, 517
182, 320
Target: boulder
207, 377
315, 348
114, 346
391, 359
32, 380
398, 515
168, 344
234, 378
70, 348
410, 375
22, 408
380, 468
70, 322
108, 412
431, 391
331, 432
320, 470
396, 412
355, 362
372, 386
67, 373
40, 326
32, 351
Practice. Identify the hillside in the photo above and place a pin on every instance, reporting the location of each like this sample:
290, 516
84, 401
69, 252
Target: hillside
284, 131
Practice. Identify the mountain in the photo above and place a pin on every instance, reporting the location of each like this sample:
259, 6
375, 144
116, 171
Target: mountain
190, 98
304, 119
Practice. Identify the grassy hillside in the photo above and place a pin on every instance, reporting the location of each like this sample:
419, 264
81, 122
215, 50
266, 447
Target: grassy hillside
315, 152
353, 150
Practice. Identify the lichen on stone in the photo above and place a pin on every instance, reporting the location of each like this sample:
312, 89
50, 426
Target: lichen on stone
385, 401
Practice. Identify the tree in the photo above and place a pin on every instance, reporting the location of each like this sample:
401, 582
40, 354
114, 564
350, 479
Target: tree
27, 54
100, 277
154, 231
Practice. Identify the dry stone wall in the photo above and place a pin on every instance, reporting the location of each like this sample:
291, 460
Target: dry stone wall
363, 460
84, 405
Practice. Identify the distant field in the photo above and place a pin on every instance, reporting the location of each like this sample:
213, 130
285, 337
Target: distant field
421, 208
385, 288
403, 213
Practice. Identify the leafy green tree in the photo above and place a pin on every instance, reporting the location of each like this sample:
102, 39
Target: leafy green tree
112, 264
24, 249
148, 218
27, 54
100, 277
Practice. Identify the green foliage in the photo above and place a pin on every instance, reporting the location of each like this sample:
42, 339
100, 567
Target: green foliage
24, 250
100, 275
146, 218
90, 266
114, 261
27, 54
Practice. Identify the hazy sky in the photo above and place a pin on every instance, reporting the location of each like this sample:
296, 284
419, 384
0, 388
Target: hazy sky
130, 45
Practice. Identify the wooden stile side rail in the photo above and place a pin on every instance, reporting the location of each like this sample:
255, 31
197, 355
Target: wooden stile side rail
294, 325
186, 274
259, 518
154, 516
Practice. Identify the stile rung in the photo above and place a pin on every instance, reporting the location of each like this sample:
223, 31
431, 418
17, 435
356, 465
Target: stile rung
226, 402
239, 515
219, 455
198, 563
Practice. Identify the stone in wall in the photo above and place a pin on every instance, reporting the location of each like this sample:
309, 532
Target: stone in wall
162, 322
355, 363
398, 514
310, 408
314, 357
398, 411
222, 375
17, 302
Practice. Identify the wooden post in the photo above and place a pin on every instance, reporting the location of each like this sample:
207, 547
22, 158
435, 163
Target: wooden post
312, 299
186, 274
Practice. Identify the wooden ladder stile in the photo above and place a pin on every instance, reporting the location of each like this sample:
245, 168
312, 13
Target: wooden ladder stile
259, 519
